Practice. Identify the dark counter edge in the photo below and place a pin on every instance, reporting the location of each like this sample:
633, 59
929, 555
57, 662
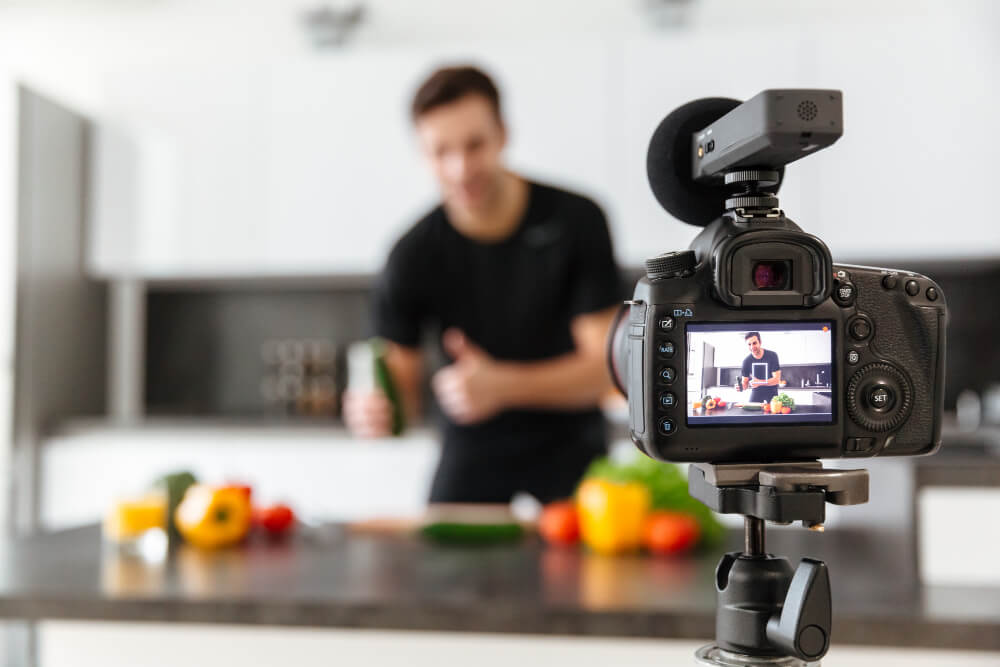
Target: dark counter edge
896, 632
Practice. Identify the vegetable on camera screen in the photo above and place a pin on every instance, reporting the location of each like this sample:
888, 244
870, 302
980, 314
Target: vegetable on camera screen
759, 373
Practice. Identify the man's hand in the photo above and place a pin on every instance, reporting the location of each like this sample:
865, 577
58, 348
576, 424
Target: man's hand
756, 383
368, 414
468, 390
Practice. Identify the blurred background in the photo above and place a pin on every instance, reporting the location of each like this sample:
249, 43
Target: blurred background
196, 196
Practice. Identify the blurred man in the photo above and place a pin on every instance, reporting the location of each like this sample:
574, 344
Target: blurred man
519, 281
761, 370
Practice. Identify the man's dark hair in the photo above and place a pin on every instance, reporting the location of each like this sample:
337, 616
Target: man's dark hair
751, 334
450, 84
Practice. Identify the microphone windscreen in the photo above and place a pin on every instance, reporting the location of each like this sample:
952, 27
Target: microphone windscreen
668, 162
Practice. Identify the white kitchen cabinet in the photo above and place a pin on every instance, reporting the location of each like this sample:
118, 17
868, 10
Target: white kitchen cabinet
310, 166
178, 171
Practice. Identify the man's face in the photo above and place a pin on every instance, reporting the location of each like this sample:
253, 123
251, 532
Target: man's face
755, 349
463, 142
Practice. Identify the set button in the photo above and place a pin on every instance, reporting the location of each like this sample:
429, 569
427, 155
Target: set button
881, 398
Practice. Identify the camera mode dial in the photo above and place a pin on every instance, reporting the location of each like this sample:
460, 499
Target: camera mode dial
671, 265
879, 398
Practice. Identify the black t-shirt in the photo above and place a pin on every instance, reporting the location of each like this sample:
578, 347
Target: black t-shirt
515, 298
762, 369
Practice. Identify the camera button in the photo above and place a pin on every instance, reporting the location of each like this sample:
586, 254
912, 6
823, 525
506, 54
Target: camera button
890, 281
912, 287
667, 400
667, 426
667, 375
860, 328
853, 357
665, 348
881, 398
844, 294
932, 294
666, 324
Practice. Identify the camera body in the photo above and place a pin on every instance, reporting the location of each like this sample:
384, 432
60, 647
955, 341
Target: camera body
753, 346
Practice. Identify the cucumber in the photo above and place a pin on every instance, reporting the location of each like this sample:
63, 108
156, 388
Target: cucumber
752, 407
472, 533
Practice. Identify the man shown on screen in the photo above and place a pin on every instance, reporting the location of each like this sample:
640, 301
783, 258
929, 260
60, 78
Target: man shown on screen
761, 370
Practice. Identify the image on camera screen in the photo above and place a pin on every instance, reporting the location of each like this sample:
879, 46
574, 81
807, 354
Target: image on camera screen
759, 372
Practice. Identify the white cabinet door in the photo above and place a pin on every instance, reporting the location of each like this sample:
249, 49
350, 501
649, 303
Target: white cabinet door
193, 141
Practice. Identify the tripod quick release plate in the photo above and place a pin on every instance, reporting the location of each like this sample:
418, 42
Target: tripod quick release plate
779, 492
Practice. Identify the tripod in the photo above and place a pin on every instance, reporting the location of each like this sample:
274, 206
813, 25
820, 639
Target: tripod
767, 614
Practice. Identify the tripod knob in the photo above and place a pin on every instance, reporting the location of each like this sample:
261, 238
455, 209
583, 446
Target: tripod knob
802, 628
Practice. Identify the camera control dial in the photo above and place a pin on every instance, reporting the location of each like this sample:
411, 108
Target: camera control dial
671, 265
879, 397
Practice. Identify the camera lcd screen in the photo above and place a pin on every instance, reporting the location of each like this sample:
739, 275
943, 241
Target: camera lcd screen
759, 373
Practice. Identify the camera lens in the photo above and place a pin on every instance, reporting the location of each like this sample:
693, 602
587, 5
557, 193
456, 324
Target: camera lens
771, 275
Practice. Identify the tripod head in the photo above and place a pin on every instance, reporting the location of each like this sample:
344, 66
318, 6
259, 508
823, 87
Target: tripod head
767, 614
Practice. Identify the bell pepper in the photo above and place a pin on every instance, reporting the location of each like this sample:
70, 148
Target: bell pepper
211, 516
612, 514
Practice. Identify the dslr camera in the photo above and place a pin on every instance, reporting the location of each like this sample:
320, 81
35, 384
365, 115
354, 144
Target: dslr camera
753, 345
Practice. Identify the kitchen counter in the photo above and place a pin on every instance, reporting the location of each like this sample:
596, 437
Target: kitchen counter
332, 577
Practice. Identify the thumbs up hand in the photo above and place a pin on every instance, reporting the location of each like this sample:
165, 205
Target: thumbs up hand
469, 390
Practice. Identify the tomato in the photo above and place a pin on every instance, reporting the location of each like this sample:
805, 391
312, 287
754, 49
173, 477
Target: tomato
670, 532
276, 520
767, 407
785, 410
560, 523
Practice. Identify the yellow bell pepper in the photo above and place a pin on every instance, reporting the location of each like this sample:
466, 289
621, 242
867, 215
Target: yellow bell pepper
213, 516
612, 514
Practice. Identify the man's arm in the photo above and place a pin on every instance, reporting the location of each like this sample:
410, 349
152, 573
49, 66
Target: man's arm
476, 386
574, 380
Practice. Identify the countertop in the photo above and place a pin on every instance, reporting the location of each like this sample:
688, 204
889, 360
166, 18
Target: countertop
338, 578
